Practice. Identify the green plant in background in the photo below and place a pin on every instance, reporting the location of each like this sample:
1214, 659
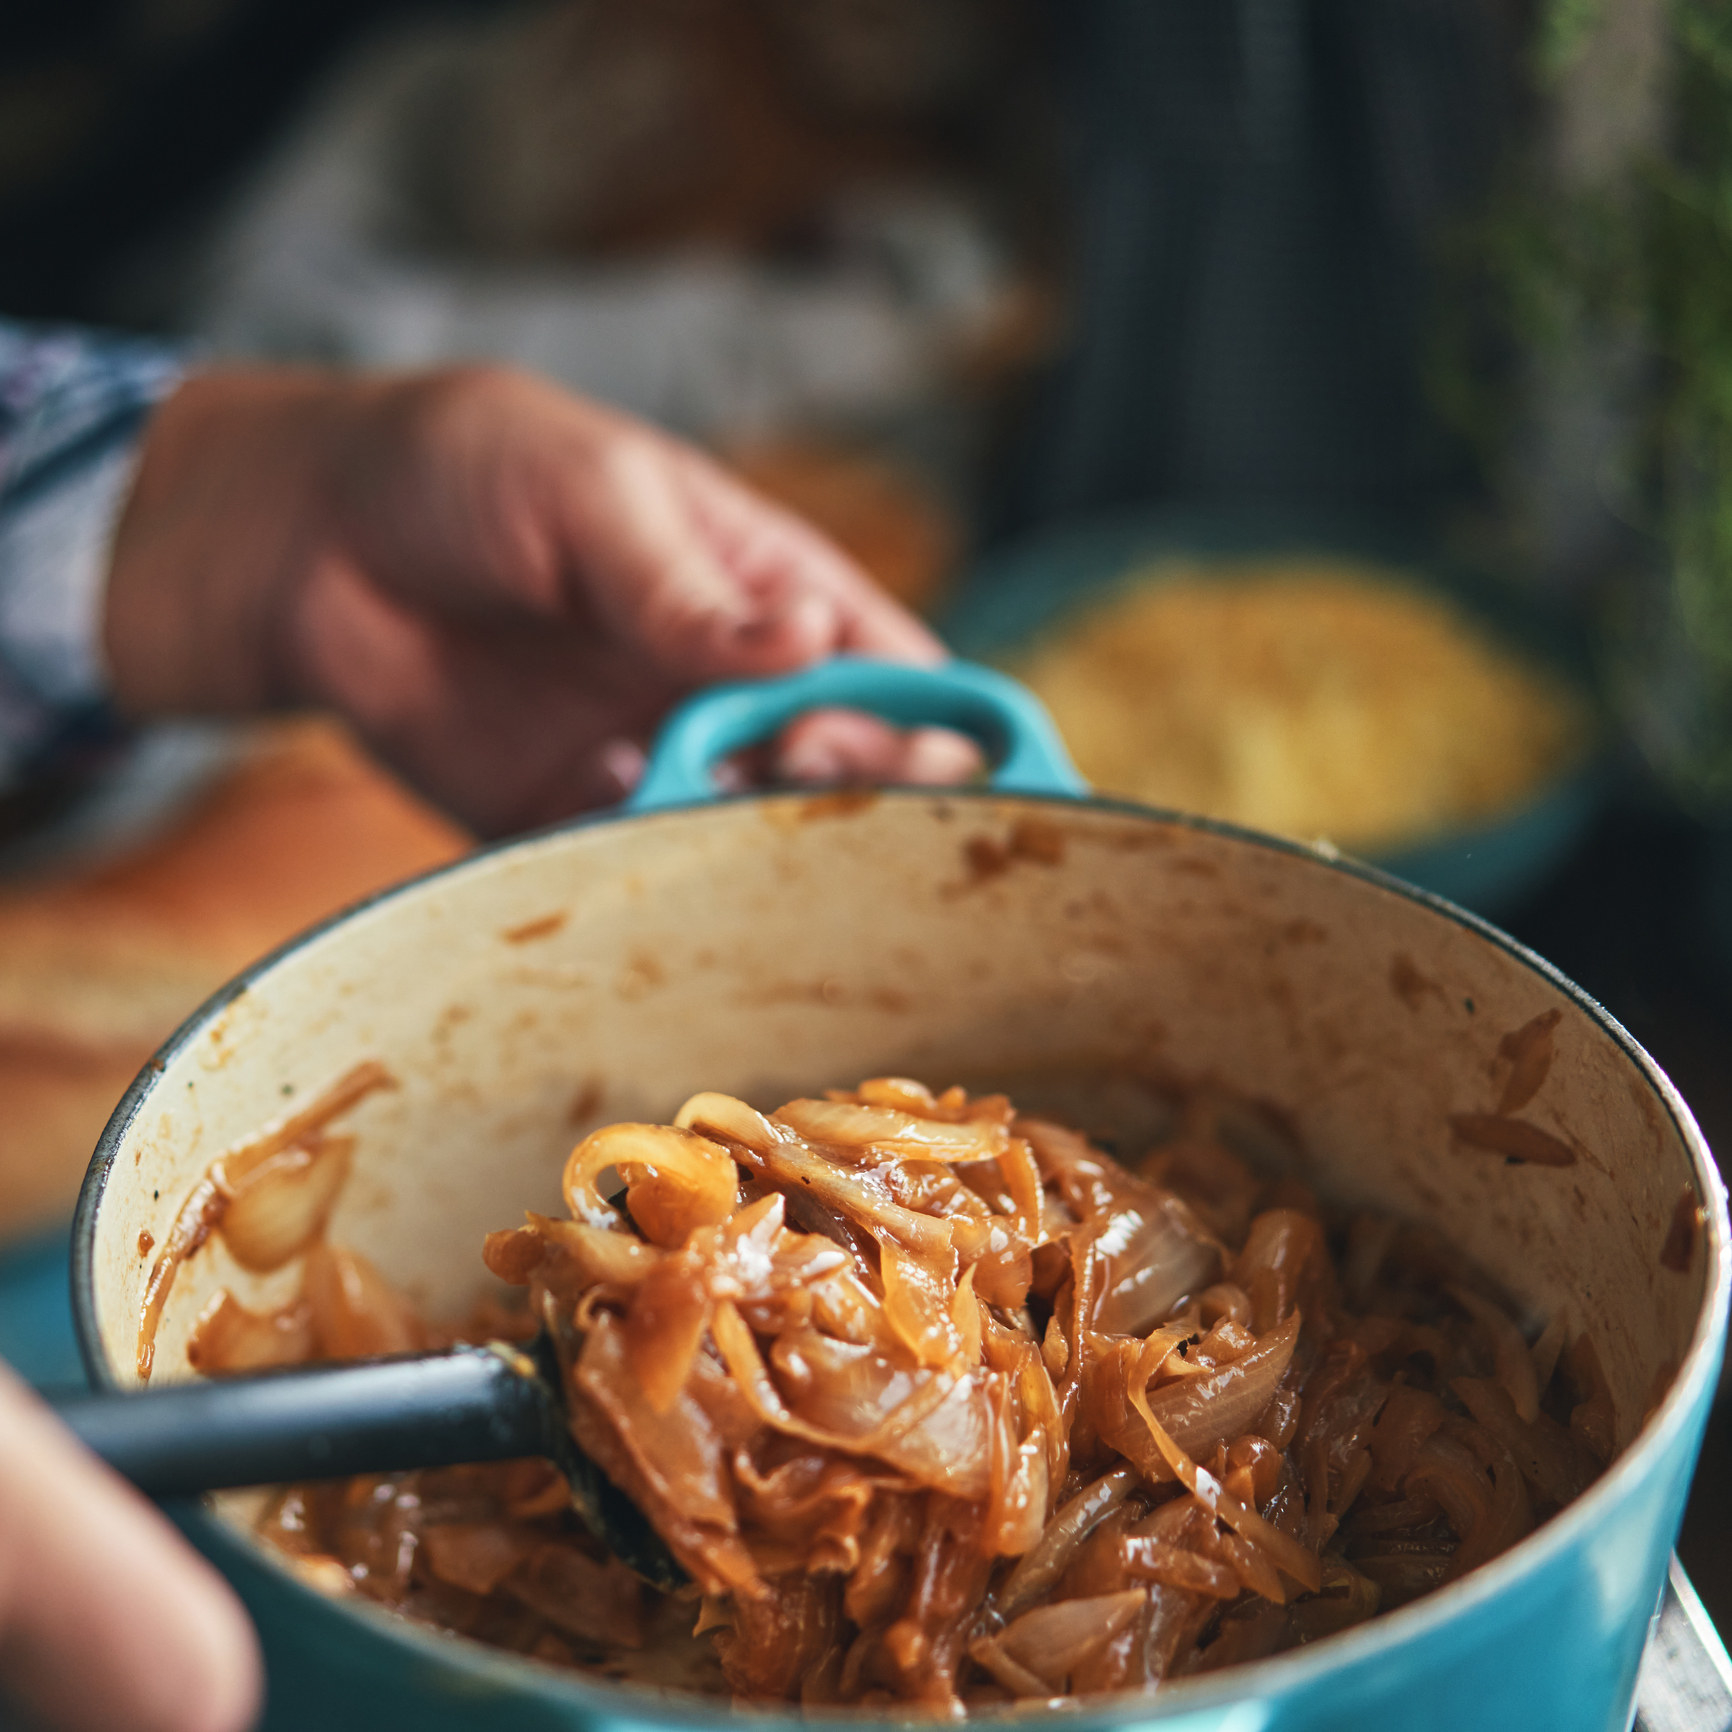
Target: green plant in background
1610, 248
1688, 279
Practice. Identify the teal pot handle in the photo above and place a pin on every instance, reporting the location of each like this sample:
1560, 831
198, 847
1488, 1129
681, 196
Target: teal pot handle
1007, 721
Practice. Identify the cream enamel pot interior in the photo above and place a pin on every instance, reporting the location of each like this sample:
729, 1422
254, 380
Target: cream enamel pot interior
1088, 955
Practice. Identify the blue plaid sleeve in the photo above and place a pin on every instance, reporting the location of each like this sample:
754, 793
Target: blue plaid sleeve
72, 407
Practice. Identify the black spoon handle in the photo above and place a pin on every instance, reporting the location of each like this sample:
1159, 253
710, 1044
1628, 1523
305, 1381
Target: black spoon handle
323, 1421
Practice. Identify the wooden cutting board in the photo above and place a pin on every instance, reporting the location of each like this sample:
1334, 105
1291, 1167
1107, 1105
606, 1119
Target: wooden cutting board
100, 963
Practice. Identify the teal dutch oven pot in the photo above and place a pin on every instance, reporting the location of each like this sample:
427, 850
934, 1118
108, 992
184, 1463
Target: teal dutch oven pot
1090, 956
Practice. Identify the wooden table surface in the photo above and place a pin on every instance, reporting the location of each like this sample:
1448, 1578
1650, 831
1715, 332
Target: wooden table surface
103, 954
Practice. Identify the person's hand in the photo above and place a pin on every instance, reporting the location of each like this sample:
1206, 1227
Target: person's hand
107, 1617
504, 587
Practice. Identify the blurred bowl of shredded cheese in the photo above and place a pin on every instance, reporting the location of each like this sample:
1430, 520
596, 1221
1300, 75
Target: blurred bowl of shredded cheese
1331, 698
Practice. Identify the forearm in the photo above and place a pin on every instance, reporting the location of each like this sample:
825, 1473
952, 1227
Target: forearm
72, 407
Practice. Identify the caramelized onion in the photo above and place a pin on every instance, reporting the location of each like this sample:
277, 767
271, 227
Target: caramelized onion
1156, 1255
922, 1305
356, 1313
1225, 1300
933, 1425
936, 1405
889, 1132
599, 1602
722, 1115
277, 1208
988, 1653
477, 1556
1201, 1413
229, 1337
1512, 1361
567, 1257
1346, 1598
1052, 1641
673, 1464
675, 1180
671, 1309
1268, 1269
1299, 1562
1154, 1560
1041, 1566
208, 1202
1552, 1459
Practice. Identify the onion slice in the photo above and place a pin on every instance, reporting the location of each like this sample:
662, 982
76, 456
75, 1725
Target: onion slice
1298, 1561
279, 1207
904, 1136
1218, 1406
676, 1180
1512, 1359
567, 1256
229, 1337
1063, 1538
723, 1115
1052, 1641
1157, 1251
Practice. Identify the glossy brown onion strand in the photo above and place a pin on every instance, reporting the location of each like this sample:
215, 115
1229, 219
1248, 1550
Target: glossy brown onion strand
945, 1406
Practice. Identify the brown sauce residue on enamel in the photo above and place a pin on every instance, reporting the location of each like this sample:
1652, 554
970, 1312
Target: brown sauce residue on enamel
984, 858
1408, 984
586, 1103
146, 1239
836, 803
531, 930
642, 973
1514, 1139
829, 994
202, 1212
1030, 839
1529, 1053
1679, 1250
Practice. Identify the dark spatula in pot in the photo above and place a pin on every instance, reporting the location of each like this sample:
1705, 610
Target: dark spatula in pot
412, 1410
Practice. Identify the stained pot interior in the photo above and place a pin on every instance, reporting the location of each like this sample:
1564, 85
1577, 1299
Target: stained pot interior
772, 947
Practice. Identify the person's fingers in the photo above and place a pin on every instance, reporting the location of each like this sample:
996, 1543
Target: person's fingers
524, 583
771, 550
661, 585
619, 766
836, 746
107, 1617
937, 758
846, 746
710, 582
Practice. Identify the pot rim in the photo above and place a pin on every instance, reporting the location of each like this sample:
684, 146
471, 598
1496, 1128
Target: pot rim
1249, 1681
